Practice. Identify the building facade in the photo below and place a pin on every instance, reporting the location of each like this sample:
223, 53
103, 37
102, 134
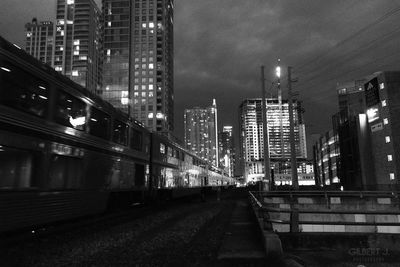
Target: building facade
40, 40
368, 130
251, 133
201, 132
138, 60
326, 155
78, 42
227, 150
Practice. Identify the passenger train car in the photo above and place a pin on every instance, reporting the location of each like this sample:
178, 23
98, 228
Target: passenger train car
66, 153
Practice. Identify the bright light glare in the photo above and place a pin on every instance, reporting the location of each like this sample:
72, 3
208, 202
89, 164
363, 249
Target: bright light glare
77, 121
278, 72
5, 69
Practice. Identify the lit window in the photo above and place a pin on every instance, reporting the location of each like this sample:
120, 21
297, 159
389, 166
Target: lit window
385, 121
77, 47
109, 24
391, 175
383, 103
108, 52
58, 68
62, 33
75, 73
107, 87
83, 57
76, 53
144, 25
381, 85
135, 94
151, 66
124, 101
70, 2
76, 42
389, 157
150, 116
28, 34
136, 87
151, 24
61, 22
387, 139
143, 94
136, 59
143, 87
151, 87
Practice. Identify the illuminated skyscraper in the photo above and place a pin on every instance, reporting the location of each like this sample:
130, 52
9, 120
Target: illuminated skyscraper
40, 40
226, 150
251, 133
78, 43
138, 66
201, 132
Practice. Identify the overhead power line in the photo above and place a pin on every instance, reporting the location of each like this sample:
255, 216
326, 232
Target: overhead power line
352, 36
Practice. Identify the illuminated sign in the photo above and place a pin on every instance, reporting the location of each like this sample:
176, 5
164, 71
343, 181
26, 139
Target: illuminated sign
66, 150
373, 113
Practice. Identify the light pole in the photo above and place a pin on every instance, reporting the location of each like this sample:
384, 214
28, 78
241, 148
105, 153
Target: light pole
295, 181
267, 167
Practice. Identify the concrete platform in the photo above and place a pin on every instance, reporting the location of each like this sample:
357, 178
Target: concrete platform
242, 239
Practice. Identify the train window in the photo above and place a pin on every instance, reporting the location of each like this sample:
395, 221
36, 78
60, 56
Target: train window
139, 175
99, 123
65, 172
120, 132
70, 111
22, 90
162, 148
136, 140
16, 169
169, 151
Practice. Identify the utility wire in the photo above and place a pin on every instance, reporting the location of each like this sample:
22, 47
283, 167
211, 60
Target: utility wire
362, 30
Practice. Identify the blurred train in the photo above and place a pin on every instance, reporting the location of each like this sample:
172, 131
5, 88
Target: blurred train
66, 153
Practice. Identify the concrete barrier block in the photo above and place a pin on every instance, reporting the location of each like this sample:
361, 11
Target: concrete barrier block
339, 228
278, 200
318, 228
389, 229
268, 200
384, 201
284, 206
329, 228
307, 228
386, 218
360, 229
360, 218
335, 200
305, 200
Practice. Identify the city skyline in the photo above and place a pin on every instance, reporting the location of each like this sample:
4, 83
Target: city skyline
294, 32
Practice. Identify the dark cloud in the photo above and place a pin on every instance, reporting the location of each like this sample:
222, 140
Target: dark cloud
220, 46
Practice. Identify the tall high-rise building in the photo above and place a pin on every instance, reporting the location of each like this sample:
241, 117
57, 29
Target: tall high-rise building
251, 133
138, 66
78, 42
40, 40
201, 132
227, 150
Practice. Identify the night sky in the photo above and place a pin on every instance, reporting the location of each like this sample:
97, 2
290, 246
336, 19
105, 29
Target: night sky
221, 44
